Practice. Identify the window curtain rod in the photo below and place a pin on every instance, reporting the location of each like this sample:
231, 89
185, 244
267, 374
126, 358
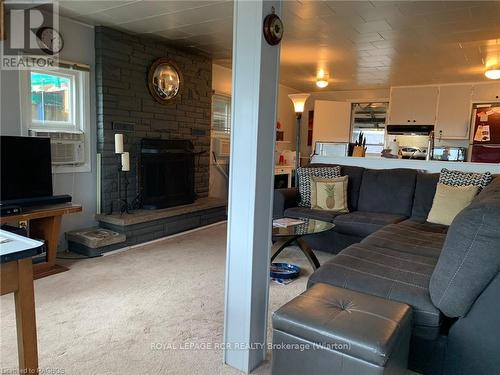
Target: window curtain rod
69, 64
73, 65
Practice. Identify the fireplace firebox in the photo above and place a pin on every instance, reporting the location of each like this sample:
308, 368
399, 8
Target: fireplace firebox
166, 173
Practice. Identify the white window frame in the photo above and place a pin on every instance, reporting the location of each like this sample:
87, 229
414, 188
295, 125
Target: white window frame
352, 138
217, 132
80, 112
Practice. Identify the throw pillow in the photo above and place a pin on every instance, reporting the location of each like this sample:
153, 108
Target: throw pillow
449, 201
458, 178
329, 194
304, 181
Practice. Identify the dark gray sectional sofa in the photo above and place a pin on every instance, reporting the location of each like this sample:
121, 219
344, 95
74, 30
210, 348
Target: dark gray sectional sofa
448, 275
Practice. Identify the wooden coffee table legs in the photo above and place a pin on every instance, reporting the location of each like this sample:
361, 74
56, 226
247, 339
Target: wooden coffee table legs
282, 243
17, 277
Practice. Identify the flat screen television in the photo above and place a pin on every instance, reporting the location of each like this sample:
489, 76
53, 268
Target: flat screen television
26, 169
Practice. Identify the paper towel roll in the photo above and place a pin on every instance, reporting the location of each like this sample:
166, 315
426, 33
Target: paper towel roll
394, 147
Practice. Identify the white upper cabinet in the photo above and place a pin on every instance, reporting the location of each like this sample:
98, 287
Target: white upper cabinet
454, 112
332, 121
413, 105
486, 92
400, 106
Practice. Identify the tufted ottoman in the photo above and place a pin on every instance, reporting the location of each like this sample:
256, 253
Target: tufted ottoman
331, 330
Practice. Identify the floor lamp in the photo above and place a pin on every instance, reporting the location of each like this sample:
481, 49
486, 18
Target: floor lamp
298, 101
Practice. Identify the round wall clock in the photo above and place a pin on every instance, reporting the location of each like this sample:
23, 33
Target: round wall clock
164, 80
273, 29
49, 40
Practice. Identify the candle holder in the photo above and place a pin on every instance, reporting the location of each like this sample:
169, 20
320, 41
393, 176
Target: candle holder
123, 202
123, 168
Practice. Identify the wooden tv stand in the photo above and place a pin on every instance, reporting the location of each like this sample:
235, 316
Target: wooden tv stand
45, 223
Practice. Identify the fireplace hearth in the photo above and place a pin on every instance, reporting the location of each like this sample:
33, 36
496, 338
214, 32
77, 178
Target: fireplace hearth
166, 173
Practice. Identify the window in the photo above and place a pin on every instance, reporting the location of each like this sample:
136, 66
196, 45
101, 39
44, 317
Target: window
221, 113
56, 100
369, 118
51, 98
55, 103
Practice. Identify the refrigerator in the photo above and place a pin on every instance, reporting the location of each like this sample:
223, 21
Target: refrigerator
485, 134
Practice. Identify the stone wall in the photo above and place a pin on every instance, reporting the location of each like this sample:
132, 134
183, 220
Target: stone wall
124, 105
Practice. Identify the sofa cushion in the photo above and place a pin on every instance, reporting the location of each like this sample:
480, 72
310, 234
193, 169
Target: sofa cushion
283, 199
385, 273
364, 223
471, 254
355, 177
425, 189
299, 212
387, 190
330, 241
407, 239
425, 226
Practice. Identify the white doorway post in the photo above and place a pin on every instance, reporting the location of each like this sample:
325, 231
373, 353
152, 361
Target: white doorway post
254, 102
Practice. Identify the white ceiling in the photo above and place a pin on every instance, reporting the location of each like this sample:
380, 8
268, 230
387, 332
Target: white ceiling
360, 44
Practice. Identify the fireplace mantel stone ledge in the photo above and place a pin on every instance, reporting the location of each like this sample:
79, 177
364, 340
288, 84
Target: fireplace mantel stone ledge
142, 226
143, 216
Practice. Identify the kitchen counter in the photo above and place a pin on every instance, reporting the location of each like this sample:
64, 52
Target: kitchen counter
427, 165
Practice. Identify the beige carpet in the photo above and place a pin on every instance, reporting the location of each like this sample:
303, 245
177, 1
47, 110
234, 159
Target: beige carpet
132, 312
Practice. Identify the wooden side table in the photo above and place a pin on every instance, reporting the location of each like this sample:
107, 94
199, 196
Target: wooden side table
16, 276
284, 170
45, 223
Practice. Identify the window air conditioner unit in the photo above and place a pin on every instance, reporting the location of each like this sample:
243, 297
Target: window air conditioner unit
66, 148
222, 146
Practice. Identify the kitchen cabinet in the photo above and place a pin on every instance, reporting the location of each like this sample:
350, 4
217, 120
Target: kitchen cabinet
332, 121
454, 112
413, 105
486, 92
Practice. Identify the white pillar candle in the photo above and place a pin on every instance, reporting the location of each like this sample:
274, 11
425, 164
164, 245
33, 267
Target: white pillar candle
125, 162
118, 143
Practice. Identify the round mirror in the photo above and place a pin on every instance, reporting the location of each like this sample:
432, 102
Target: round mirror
164, 80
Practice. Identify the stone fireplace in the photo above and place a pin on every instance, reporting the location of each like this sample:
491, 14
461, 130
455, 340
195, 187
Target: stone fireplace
124, 105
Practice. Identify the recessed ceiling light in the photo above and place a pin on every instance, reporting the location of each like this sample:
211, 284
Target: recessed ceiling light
493, 72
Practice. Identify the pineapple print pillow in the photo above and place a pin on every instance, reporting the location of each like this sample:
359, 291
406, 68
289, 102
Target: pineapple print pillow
329, 194
304, 178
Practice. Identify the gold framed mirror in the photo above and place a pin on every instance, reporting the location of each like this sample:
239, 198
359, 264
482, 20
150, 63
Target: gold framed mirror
164, 80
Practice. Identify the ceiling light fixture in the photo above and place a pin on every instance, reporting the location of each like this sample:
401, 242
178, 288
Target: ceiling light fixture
322, 79
493, 72
321, 83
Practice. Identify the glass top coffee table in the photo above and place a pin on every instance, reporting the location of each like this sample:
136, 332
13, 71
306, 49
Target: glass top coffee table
283, 237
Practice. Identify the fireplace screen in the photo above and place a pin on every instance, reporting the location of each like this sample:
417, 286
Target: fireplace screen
167, 173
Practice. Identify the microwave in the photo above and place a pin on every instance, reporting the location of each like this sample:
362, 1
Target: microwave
331, 148
222, 147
